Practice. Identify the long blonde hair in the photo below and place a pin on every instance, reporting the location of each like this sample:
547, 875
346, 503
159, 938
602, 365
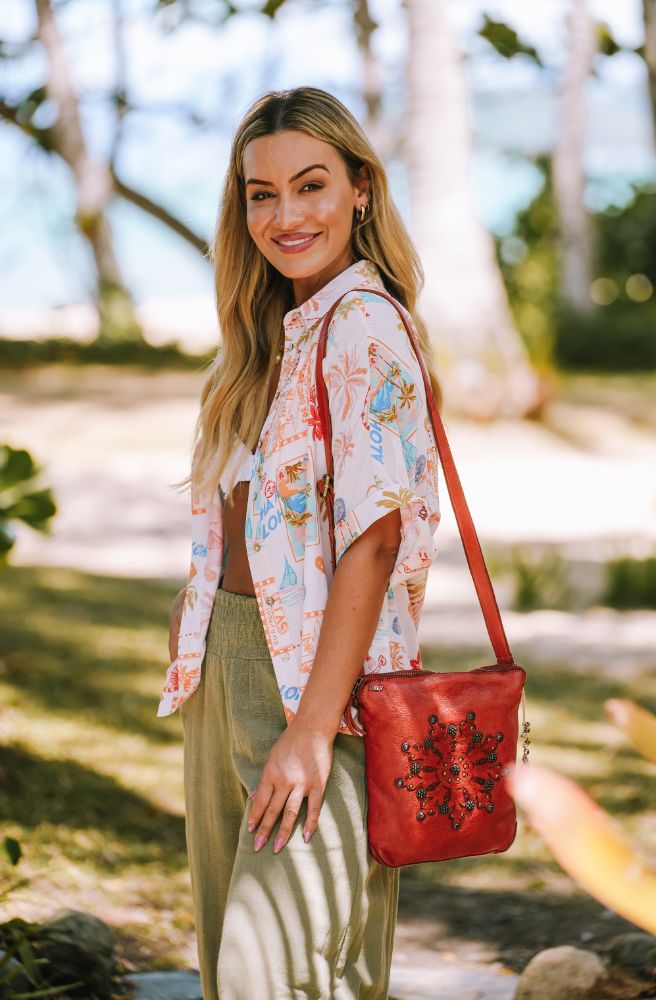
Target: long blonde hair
252, 297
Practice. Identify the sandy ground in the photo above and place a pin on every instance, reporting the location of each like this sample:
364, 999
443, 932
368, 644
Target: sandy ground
113, 442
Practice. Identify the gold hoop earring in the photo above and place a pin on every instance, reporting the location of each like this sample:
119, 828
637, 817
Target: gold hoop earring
363, 212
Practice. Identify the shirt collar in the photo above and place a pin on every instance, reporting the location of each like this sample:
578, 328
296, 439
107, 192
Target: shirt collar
361, 272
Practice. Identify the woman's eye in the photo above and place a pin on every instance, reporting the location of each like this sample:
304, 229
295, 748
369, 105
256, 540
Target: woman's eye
310, 184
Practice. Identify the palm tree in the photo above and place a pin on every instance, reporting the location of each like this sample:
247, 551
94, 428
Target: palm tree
575, 235
486, 366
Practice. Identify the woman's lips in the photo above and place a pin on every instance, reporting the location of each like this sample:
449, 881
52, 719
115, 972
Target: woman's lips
296, 247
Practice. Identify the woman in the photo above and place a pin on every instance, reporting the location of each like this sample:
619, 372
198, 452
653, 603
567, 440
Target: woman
288, 900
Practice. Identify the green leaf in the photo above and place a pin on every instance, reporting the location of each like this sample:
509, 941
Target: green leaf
506, 41
16, 466
34, 508
12, 849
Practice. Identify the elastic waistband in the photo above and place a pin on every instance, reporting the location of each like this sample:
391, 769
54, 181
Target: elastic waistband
235, 627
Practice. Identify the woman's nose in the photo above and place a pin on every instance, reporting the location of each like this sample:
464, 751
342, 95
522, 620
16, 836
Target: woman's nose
288, 214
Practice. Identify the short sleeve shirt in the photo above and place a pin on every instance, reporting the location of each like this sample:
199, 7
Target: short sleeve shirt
384, 456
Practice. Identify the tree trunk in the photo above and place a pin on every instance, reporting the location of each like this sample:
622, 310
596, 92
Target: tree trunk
649, 17
485, 366
576, 246
93, 181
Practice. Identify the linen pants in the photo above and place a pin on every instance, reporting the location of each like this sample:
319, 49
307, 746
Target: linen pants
315, 921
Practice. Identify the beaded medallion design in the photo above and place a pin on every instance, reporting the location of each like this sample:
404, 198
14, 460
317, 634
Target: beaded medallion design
453, 771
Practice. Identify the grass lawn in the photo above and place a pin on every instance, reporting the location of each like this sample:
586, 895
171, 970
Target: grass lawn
91, 779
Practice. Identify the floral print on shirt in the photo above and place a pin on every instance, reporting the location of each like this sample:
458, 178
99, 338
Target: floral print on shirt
384, 457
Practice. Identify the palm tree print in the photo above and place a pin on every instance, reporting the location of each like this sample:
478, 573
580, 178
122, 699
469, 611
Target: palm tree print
345, 378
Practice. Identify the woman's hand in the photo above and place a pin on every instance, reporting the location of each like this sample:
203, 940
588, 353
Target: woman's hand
297, 765
174, 623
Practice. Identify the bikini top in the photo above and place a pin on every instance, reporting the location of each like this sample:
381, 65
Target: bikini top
239, 467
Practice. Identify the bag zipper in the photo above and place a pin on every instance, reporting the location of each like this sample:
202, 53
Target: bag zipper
526, 726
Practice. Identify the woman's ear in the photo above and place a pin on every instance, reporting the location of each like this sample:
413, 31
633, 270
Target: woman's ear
363, 182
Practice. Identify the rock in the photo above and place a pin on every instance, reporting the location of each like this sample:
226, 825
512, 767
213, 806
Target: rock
563, 973
79, 947
635, 951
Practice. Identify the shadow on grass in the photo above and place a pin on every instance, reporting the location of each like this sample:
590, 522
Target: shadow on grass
95, 646
514, 925
66, 795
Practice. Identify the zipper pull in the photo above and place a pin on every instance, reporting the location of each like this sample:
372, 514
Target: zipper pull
356, 688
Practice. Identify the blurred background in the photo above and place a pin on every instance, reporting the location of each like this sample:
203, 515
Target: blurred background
520, 141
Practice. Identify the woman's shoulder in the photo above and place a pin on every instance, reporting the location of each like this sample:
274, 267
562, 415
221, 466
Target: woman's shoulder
365, 316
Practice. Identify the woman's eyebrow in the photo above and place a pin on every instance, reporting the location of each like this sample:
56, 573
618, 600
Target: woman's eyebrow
313, 166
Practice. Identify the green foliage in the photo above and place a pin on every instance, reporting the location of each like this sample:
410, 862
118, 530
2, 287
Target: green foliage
21, 965
105, 351
619, 332
12, 849
19, 500
616, 338
540, 580
529, 267
631, 583
505, 40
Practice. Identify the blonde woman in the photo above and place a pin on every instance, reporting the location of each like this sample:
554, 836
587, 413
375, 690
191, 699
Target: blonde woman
266, 641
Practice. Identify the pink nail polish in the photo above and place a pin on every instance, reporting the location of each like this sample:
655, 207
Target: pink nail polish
277, 845
259, 842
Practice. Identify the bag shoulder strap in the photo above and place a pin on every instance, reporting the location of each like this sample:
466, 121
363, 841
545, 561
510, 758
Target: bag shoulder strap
471, 544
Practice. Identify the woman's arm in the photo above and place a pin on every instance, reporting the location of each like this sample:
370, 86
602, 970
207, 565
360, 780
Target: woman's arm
299, 762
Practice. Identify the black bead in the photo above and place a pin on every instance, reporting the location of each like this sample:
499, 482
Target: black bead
489, 785
405, 746
432, 719
421, 793
455, 769
492, 756
415, 767
444, 808
469, 804
421, 814
451, 730
478, 736
428, 742
499, 737
399, 782
471, 716
455, 825
490, 807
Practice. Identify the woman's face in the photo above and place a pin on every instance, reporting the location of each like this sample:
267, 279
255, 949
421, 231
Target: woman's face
299, 207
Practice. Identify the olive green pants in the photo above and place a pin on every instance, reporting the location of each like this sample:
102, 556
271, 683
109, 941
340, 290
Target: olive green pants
315, 921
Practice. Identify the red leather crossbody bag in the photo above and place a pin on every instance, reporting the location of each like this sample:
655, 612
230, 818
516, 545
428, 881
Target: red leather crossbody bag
437, 743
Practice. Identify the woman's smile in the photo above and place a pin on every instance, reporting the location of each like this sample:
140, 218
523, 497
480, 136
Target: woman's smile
295, 242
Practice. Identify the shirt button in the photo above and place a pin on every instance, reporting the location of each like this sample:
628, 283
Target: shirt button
269, 600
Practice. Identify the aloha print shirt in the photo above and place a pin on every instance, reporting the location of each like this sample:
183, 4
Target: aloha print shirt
384, 457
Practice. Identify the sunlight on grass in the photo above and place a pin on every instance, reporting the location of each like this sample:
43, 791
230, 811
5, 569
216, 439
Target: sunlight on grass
92, 779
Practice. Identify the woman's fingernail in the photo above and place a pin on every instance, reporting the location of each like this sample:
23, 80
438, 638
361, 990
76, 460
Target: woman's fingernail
251, 794
251, 825
277, 845
259, 842
306, 835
